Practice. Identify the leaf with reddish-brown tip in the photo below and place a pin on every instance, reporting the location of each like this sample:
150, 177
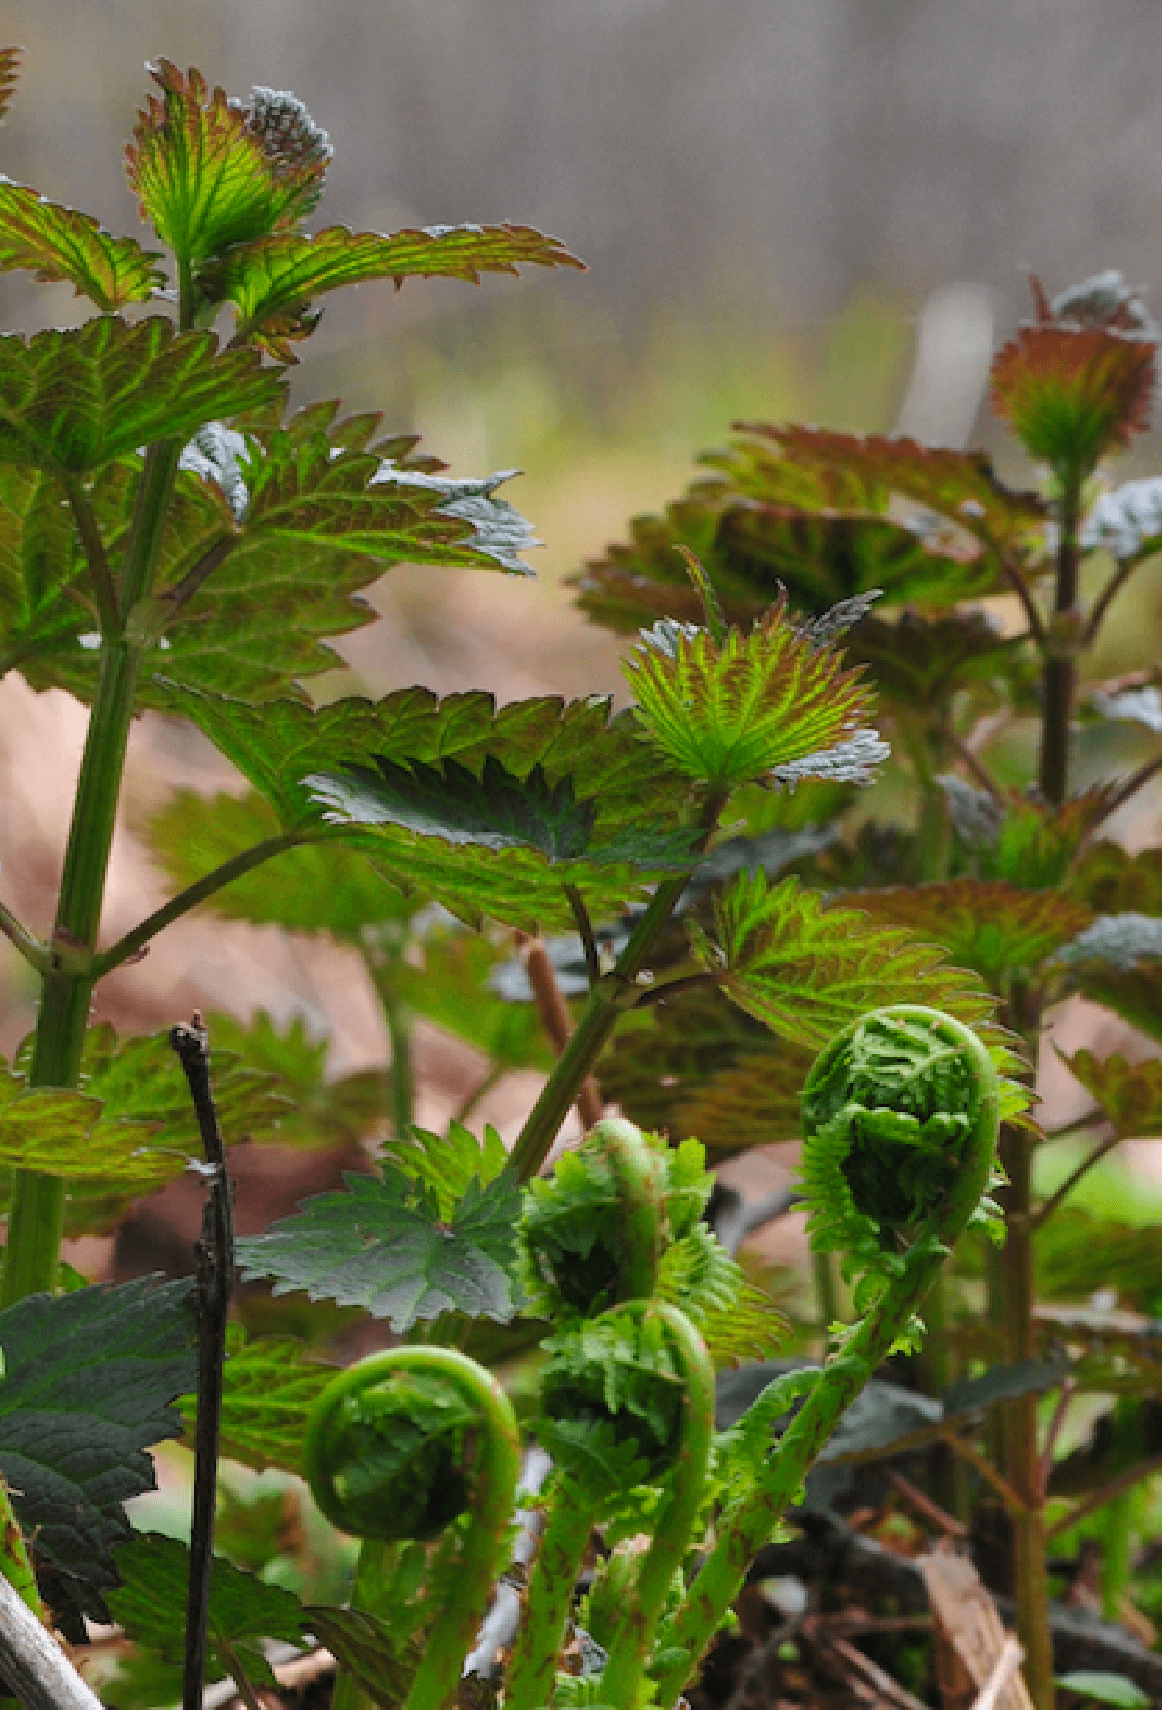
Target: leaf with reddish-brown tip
10, 58
1072, 394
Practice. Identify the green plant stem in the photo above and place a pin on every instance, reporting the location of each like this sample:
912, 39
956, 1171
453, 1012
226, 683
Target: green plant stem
34, 952
635, 1173
382, 963
600, 1015
14, 1562
146, 930
550, 1594
36, 1219
826, 1293
1060, 671
630, 1651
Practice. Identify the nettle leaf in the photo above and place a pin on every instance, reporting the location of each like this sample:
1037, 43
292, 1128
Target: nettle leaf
1020, 838
269, 1387
988, 925
150, 1604
1130, 1094
517, 841
132, 1129
764, 705
209, 172
380, 1657
316, 887
1112, 881
382, 1246
958, 485
59, 244
88, 1382
1073, 394
806, 970
271, 282
922, 662
660, 1057
277, 745
1117, 962
448, 1164
754, 1103
1139, 703
75, 400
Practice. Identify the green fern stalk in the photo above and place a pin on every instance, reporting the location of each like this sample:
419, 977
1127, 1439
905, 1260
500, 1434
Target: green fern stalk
929, 1067
550, 1595
630, 1651
359, 1419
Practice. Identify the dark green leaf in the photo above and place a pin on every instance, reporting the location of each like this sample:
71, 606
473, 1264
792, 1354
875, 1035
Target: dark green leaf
923, 662
382, 1246
60, 244
1006, 1383
209, 172
88, 1382
268, 1389
271, 282
150, 1604
1117, 962
754, 1103
76, 400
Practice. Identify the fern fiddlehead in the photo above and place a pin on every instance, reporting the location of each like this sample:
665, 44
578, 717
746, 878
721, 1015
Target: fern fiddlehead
901, 1115
627, 1400
397, 1447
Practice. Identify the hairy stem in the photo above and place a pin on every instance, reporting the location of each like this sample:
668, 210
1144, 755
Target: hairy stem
550, 1594
37, 1217
630, 1650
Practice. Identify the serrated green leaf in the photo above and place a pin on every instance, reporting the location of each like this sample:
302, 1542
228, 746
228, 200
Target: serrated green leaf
61, 244
806, 971
958, 485
988, 925
209, 172
759, 706
74, 401
132, 1129
1071, 394
1130, 1094
381, 1659
150, 1604
88, 1382
448, 1164
381, 1246
268, 1389
272, 281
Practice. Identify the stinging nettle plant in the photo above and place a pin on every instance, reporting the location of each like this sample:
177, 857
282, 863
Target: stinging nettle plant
174, 541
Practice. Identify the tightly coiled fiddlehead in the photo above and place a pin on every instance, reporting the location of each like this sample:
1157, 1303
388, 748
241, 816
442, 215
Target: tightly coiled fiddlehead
901, 1116
627, 1400
398, 1447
